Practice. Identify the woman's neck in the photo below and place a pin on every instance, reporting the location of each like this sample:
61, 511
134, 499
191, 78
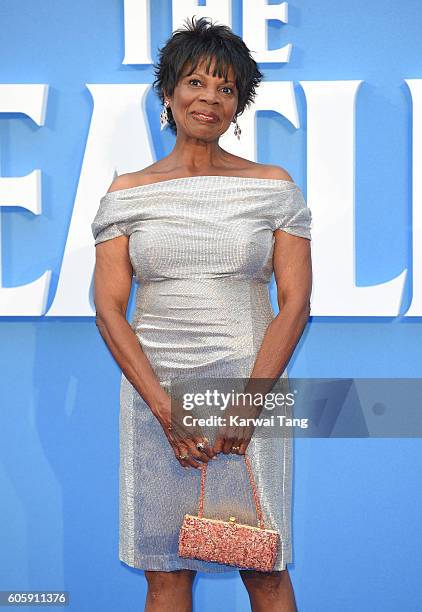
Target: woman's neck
197, 156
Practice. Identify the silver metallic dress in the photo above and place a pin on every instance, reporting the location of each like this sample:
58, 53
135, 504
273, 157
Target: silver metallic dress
201, 249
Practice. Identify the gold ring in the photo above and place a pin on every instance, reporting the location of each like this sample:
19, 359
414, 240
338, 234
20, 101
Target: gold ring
235, 448
183, 456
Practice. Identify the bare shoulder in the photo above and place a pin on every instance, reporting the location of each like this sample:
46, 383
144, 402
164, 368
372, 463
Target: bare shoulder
276, 172
264, 171
257, 170
124, 181
132, 179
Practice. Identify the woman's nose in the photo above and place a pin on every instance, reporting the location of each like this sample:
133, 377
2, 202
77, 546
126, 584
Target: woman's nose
209, 95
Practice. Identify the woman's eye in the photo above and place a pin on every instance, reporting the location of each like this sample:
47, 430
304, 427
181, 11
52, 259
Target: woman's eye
226, 89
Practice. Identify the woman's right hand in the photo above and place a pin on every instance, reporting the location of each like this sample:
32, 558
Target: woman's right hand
182, 440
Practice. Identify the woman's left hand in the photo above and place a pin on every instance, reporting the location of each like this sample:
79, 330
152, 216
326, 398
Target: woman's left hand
233, 437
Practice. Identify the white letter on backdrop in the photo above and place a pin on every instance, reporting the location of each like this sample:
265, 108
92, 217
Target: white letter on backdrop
415, 308
118, 140
137, 23
25, 192
277, 96
330, 196
256, 14
218, 10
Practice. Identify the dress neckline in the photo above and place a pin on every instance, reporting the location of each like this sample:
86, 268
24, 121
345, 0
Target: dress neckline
221, 177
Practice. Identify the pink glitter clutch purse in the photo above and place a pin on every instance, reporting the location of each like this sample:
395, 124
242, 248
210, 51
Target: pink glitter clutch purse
228, 542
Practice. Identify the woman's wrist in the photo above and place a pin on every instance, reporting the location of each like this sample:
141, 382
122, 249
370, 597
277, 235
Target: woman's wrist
161, 403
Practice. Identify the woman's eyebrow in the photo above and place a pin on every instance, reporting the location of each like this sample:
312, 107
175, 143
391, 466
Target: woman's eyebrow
204, 75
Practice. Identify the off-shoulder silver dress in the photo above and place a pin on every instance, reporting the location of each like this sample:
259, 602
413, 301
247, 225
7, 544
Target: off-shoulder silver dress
201, 249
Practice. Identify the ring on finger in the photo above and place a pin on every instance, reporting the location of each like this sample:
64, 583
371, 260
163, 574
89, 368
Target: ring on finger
201, 445
184, 456
235, 448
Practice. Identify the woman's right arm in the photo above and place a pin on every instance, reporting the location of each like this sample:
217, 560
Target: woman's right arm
112, 285
113, 276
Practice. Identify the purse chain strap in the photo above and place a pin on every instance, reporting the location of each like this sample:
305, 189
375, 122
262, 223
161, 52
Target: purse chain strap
252, 481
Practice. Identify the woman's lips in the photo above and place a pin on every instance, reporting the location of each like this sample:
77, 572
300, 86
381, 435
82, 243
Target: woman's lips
203, 118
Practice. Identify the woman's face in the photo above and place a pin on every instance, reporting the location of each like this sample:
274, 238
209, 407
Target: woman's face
198, 93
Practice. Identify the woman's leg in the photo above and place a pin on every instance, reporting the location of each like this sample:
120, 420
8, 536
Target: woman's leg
269, 591
169, 591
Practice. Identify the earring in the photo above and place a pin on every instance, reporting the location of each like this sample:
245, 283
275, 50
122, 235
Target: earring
164, 115
237, 130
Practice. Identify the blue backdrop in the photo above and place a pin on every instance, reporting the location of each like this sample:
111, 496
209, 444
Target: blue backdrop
356, 506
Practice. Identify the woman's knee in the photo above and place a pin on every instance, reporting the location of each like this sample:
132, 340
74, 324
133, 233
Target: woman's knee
161, 581
267, 582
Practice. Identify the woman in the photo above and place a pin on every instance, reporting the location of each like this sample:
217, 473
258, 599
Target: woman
202, 230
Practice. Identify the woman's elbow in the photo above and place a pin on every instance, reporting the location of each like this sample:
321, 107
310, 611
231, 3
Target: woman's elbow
301, 305
103, 314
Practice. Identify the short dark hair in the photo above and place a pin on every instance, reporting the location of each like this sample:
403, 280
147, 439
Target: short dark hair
202, 39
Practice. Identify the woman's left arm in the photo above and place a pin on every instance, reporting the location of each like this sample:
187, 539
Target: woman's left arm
293, 275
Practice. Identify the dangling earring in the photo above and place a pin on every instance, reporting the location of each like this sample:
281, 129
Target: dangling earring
237, 130
164, 115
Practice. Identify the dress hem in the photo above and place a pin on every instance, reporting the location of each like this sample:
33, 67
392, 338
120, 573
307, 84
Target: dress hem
169, 563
